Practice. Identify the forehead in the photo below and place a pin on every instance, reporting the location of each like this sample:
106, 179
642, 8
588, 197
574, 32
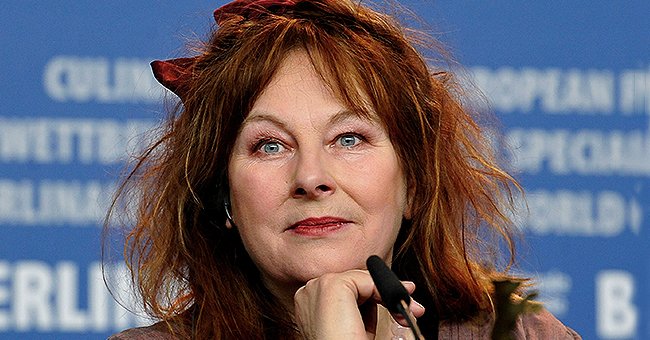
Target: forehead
296, 78
297, 85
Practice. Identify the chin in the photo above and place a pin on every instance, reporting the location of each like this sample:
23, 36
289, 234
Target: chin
336, 264
298, 267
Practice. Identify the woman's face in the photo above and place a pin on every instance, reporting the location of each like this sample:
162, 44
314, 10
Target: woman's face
314, 187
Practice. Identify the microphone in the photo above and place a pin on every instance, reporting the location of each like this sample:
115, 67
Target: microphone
393, 294
389, 286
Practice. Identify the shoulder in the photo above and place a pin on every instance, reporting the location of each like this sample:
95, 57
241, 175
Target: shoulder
543, 325
155, 331
530, 326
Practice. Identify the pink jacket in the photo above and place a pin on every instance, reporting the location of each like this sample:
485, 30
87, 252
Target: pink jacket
542, 326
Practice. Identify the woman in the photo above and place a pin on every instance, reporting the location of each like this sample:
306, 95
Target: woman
312, 134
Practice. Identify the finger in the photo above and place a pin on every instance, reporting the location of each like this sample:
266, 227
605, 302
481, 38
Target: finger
330, 305
409, 285
360, 282
355, 283
415, 309
368, 294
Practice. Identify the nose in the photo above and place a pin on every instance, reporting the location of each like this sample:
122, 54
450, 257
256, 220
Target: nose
312, 180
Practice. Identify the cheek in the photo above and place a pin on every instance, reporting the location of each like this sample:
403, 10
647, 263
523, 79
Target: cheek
380, 185
255, 193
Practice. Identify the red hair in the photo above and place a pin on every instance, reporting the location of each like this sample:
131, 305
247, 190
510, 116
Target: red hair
195, 274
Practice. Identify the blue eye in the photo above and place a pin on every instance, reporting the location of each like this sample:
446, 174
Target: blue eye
271, 147
349, 140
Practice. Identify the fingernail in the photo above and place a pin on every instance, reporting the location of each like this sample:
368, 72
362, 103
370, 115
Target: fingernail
408, 283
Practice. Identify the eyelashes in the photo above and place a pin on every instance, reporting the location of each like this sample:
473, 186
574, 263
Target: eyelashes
350, 139
267, 145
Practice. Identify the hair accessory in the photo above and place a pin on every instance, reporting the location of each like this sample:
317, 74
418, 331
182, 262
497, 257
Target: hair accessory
251, 9
174, 74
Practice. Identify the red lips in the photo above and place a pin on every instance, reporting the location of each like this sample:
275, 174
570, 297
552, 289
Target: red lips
318, 226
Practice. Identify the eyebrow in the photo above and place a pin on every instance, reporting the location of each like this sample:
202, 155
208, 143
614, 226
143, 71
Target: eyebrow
346, 114
340, 116
263, 117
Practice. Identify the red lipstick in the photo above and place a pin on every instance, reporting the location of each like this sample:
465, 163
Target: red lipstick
318, 226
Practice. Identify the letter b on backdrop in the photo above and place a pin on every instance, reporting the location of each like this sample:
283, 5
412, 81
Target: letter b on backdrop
616, 313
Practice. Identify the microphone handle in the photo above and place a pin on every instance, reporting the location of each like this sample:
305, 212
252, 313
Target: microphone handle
395, 297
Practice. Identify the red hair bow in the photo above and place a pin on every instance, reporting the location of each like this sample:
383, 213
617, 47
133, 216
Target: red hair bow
251, 9
174, 74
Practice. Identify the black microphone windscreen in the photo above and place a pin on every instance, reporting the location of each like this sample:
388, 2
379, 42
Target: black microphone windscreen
389, 286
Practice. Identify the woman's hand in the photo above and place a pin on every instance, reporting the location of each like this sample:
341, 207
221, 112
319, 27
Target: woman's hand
342, 306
